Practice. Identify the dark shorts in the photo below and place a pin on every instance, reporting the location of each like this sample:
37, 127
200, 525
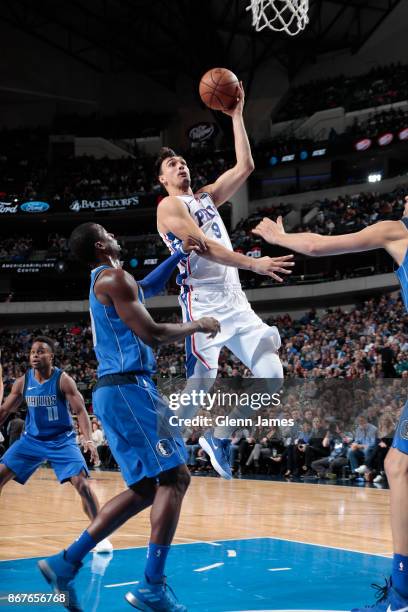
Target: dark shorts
130, 414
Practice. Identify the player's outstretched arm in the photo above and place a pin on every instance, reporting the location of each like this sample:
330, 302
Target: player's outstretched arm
375, 236
230, 181
13, 400
173, 217
121, 289
77, 407
155, 282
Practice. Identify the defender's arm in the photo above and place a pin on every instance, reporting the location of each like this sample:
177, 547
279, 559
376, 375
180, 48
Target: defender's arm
375, 236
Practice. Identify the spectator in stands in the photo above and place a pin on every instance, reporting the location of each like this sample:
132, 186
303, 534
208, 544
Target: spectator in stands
375, 464
192, 447
337, 444
363, 446
269, 446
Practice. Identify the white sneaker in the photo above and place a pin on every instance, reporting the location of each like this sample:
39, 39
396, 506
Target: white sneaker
104, 546
379, 478
361, 470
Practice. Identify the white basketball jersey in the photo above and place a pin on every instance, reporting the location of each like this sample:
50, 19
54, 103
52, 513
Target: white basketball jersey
198, 271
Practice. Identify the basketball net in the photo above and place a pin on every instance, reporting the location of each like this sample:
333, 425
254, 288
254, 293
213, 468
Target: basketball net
288, 16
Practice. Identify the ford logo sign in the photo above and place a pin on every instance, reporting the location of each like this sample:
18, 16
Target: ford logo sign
35, 207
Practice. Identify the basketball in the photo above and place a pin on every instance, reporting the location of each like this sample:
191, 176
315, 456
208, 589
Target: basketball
219, 89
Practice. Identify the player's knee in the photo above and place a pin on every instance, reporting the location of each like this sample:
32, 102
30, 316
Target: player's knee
82, 485
178, 478
396, 464
145, 488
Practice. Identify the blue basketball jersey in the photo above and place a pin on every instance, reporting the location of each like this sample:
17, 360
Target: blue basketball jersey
402, 272
116, 347
48, 414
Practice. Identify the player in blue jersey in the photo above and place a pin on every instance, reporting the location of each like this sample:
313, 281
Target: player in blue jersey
50, 395
151, 459
393, 237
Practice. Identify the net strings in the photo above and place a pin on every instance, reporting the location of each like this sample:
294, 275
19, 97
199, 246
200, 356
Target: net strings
288, 15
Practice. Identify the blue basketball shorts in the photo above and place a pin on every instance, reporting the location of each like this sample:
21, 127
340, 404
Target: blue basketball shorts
400, 440
26, 455
132, 418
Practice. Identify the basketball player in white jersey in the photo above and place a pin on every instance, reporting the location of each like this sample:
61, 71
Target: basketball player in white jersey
210, 282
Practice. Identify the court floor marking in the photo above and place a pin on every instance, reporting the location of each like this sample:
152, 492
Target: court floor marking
119, 584
208, 567
353, 550
219, 543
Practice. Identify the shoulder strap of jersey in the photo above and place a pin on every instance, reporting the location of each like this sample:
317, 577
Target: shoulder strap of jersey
405, 221
205, 194
95, 274
26, 377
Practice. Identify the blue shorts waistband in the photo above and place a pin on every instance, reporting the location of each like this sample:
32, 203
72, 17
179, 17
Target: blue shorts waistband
121, 378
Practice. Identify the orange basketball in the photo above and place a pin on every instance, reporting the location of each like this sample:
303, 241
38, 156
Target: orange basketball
219, 89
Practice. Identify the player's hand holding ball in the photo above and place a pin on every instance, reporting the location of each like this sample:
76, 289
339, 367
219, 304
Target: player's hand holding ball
269, 266
209, 325
238, 107
270, 230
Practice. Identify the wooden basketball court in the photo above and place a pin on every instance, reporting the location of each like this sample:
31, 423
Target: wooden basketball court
43, 516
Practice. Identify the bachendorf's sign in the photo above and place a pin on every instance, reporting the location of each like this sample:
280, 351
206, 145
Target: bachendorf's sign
105, 204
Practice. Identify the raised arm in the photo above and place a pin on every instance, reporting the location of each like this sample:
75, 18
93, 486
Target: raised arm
77, 407
230, 181
376, 236
121, 289
13, 400
173, 217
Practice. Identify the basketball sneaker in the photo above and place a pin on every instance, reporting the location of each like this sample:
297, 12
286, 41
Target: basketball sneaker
387, 600
60, 573
157, 596
218, 451
104, 546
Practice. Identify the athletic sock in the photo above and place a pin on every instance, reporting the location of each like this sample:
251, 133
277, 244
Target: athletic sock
400, 575
78, 549
156, 560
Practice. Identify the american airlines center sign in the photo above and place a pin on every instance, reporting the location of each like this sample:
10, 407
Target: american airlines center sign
105, 204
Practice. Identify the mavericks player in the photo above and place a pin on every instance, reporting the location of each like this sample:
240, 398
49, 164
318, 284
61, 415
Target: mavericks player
129, 406
210, 282
393, 237
50, 394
